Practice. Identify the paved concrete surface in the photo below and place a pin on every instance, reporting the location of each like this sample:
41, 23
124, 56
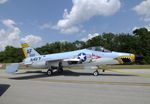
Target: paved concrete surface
76, 87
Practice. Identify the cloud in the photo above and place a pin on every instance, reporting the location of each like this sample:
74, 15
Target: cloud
9, 23
146, 26
3, 1
10, 35
45, 26
90, 36
143, 9
83, 10
32, 39
70, 30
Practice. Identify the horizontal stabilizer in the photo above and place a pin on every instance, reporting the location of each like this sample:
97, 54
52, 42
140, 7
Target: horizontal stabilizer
12, 68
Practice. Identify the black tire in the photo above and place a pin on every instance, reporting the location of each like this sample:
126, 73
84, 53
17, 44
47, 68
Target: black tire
96, 73
49, 72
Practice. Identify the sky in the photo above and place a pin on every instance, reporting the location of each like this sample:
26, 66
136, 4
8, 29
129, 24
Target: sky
38, 22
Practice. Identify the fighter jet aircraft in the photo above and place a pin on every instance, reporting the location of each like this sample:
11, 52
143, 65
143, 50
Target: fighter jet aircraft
91, 58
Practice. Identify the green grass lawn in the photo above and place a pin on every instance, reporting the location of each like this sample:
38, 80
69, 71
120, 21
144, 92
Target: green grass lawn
130, 66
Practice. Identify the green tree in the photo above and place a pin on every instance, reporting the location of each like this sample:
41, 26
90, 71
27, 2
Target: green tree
11, 55
142, 38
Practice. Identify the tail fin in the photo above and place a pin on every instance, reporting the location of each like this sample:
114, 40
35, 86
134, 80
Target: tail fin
28, 51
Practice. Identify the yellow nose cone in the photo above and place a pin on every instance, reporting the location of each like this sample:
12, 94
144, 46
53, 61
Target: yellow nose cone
132, 56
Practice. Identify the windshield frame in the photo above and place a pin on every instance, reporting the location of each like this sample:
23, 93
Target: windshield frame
99, 49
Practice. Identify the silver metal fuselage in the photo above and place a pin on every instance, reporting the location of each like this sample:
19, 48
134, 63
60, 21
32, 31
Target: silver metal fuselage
92, 58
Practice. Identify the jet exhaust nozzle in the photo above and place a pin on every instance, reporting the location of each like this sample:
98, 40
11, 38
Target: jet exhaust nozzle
138, 57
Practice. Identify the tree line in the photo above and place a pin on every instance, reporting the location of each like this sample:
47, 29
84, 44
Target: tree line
137, 42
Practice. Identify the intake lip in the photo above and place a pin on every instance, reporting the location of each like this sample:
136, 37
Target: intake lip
126, 59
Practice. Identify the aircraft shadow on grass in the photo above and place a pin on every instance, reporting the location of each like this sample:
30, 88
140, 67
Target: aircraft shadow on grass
3, 88
40, 74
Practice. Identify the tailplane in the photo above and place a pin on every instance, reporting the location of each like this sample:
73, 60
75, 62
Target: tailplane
12, 68
28, 51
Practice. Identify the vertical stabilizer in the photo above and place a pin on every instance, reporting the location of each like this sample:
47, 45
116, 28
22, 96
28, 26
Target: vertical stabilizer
28, 51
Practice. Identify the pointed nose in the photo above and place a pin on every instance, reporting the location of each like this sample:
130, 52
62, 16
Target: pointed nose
132, 57
138, 57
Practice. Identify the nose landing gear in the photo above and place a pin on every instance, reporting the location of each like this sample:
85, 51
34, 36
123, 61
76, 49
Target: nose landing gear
96, 73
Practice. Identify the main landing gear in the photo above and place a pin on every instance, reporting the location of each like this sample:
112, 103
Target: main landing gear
60, 68
53, 69
49, 72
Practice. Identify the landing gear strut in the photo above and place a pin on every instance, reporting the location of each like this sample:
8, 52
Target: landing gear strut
60, 68
96, 73
52, 69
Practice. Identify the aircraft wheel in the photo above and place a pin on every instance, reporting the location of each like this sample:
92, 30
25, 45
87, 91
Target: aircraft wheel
49, 72
96, 73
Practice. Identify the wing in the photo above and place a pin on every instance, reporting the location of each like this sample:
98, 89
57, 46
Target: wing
64, 61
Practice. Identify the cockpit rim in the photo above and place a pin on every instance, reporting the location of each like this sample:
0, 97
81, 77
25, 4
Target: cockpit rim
98, 48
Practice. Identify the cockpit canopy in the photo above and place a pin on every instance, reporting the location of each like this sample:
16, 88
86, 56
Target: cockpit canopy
99, 48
